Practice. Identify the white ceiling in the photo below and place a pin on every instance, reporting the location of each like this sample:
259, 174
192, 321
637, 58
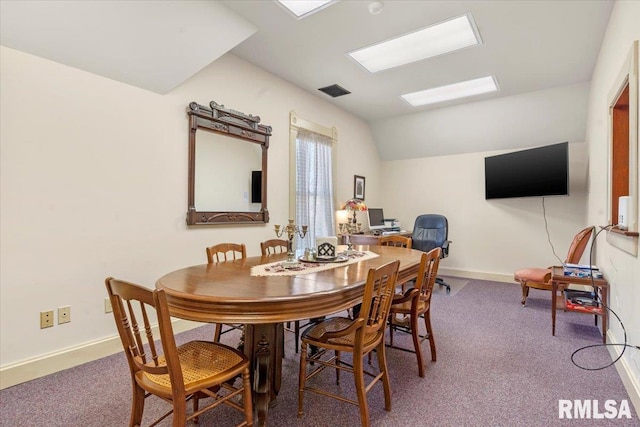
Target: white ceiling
528, 46
155, 45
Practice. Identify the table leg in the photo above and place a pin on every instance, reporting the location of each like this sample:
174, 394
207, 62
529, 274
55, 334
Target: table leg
554, 291
263, 346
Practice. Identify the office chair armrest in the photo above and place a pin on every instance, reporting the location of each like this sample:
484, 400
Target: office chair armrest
445, 248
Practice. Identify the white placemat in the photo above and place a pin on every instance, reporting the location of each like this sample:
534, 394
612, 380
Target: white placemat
276, 268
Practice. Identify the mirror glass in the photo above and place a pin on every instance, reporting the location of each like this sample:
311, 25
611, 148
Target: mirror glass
224, 171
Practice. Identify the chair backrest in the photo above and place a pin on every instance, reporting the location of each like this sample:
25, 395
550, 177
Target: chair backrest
226, 252
430, 231
395, 240
273, 246
578, 245
427, 273
378, 296
132, 306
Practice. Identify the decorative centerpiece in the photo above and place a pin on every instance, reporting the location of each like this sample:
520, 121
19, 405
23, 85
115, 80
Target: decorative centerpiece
352, 226
291, 230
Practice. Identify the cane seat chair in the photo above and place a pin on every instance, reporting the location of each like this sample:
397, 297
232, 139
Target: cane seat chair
177, 374
416, 303
358, 336
223, 252
540, 278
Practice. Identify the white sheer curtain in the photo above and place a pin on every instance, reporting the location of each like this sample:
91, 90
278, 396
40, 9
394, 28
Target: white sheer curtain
314, 186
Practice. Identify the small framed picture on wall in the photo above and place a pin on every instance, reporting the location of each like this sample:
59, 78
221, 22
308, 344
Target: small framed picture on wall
358, 187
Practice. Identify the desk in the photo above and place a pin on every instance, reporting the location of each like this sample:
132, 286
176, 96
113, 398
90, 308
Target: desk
370, 239
226, 292
601, 288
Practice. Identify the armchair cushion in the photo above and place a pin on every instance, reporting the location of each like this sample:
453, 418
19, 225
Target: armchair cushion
538, 275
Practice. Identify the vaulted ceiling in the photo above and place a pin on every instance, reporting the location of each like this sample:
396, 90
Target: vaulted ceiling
529, 46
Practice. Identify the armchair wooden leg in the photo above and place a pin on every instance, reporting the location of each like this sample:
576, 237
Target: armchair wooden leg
216, 335
525, 292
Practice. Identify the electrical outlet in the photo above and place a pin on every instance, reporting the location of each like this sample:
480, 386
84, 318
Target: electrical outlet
46, 319
64, 315
107, 305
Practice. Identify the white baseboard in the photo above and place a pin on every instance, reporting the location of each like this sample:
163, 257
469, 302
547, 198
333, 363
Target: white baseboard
31, 369
631, 382
480, 275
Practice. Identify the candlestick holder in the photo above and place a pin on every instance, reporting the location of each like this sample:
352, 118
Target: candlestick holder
346, 229
291, 230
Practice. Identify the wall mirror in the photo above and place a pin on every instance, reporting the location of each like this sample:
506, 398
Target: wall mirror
227, 166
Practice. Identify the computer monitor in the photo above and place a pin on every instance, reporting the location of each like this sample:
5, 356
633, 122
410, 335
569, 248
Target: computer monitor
376, 218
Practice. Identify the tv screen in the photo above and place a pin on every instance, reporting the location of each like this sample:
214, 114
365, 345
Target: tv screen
542, 171
376, 218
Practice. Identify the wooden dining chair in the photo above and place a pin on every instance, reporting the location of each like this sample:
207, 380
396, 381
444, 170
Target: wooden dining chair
176, 374
395, 240
226, 252
416, 303
273, 246
223, 252
358, 336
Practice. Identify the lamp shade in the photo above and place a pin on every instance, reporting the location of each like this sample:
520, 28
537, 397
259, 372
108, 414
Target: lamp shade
354, 205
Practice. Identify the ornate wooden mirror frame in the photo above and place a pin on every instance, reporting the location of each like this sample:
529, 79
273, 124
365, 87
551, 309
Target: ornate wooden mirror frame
244, 128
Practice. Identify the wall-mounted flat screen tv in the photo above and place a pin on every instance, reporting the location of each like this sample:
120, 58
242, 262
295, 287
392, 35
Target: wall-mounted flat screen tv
542, 171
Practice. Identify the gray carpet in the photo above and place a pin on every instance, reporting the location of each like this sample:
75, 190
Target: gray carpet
498, 365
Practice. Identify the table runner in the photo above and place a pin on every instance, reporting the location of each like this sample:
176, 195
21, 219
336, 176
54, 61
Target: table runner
304, 267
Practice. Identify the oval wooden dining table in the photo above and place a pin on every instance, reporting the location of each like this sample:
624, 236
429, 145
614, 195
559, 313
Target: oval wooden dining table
226, 292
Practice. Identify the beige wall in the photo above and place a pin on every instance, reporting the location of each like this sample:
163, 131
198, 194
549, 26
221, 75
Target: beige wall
93, 178
622, 269
489, 236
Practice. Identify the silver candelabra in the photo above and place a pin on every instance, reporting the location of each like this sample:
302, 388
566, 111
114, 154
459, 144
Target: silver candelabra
291, 230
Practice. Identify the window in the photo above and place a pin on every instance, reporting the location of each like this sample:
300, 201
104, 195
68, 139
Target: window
312, 180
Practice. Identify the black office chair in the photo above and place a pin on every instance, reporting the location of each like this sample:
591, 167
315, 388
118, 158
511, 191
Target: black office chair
432, 231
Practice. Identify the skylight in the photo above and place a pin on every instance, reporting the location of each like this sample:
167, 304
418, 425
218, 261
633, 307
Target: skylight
447, 36
303, 8
452, 91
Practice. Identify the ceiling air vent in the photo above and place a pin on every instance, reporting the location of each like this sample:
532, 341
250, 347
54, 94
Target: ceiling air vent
334, 91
